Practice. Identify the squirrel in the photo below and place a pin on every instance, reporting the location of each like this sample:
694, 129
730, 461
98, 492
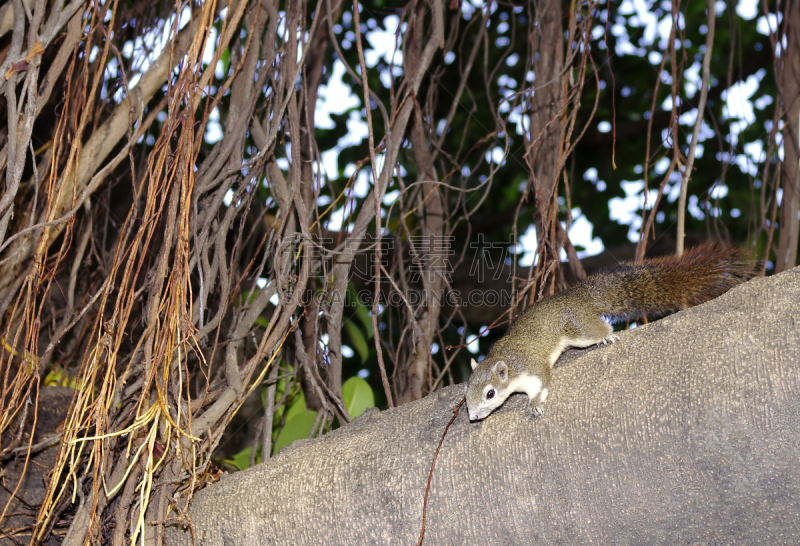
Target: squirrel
522, 360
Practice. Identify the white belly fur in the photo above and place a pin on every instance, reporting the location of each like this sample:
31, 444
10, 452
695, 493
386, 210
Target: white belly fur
529, 384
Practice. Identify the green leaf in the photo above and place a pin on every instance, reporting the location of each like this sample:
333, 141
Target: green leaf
296, 428
358, 396
280, 388
225, 58
357, 339
247, 297
241, 460
365, 317
362, 312
297, 405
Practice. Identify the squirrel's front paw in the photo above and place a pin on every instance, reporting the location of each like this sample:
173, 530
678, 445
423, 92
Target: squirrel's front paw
536, 411
610, 338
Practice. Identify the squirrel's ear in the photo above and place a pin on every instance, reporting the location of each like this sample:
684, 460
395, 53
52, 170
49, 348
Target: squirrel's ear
473, 363
501, 369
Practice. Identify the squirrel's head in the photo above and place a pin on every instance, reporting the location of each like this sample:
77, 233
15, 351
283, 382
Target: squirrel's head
488, 387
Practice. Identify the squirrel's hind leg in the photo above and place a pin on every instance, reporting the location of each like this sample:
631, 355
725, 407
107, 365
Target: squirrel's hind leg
589, 329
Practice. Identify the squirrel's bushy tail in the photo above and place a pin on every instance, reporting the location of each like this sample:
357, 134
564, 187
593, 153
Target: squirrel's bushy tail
662, 285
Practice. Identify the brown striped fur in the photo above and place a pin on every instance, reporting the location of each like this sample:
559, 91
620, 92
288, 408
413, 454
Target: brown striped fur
662, 285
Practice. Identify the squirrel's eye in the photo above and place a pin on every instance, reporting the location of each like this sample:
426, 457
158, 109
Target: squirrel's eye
490, 394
